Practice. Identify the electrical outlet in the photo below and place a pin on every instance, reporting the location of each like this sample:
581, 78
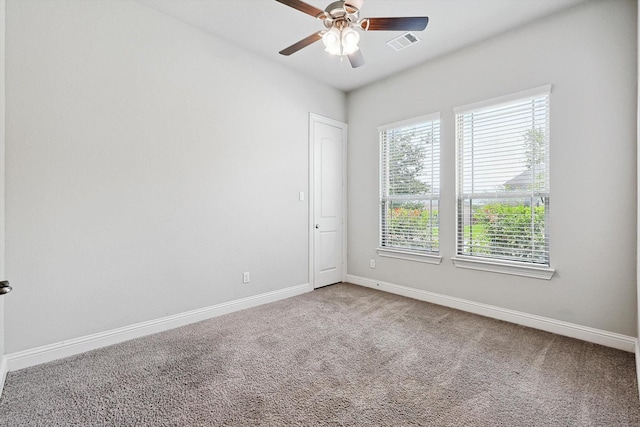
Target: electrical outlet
372, 263
246, 277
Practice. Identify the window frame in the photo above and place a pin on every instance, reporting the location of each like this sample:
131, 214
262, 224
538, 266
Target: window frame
477, 262
410, 254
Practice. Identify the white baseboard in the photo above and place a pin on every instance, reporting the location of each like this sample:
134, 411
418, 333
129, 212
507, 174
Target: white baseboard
51, 352
3, 372
638, 366
585, 333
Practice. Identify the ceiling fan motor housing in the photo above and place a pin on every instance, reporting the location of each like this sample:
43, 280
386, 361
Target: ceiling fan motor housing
339, 14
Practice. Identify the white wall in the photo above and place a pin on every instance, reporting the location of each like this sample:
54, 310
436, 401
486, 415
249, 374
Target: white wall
148, 165
588, 54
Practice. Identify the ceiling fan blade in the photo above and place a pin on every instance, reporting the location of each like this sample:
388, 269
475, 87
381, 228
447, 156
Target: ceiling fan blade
356, 59
302, 7
302, 43
413, 23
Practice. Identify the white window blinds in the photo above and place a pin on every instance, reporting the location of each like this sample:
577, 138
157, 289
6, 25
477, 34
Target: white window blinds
410, 184
503, 178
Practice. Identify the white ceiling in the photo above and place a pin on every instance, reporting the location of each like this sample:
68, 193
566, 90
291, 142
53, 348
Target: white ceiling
265, 27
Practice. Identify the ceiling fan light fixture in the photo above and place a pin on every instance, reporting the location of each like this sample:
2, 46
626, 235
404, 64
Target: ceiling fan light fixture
341, 42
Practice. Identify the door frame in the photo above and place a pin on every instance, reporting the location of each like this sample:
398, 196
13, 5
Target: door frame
313, 119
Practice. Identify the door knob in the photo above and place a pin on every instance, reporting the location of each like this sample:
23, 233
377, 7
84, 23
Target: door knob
317, 225
4, 287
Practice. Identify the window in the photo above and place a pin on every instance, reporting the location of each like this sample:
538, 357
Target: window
409, 188
503, 182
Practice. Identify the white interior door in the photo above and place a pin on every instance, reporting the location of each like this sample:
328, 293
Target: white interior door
328, 145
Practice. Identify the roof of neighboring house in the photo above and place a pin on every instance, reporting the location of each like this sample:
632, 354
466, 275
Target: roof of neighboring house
521, 181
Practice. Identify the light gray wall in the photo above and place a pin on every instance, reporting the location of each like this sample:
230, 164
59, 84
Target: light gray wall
588, 54
148, 165
2, 144
638, 201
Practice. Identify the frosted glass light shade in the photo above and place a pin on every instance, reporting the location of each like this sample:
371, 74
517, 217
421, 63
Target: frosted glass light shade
350, 39
332, 40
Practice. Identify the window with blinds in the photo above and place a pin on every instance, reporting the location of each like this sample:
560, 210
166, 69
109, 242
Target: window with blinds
503, 178
410, 184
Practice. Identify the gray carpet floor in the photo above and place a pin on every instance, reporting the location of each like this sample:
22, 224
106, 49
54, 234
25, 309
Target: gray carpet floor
341, 355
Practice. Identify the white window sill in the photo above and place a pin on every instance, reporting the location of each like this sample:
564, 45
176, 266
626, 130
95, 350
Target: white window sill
504, 267
408, 255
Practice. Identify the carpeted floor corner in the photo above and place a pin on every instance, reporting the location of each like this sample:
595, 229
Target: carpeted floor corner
343, 355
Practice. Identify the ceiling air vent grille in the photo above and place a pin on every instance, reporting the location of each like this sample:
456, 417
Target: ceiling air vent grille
403, 41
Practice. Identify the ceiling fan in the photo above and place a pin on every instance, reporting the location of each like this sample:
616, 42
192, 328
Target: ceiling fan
340, 18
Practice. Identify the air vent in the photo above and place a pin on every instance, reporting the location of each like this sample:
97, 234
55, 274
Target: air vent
403, 41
